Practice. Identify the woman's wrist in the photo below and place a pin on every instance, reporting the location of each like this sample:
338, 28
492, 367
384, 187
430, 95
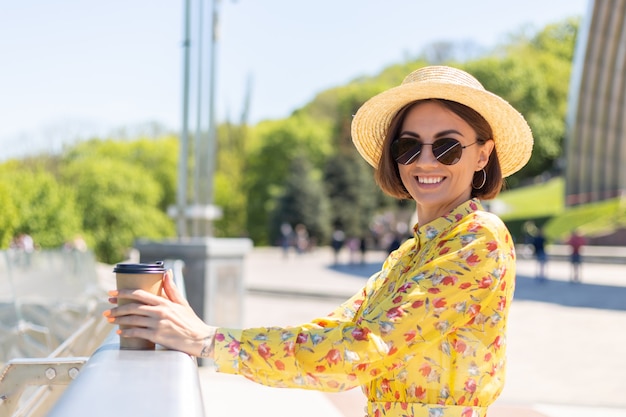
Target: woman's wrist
208, 345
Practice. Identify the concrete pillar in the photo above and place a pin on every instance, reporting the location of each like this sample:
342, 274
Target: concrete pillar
596, 137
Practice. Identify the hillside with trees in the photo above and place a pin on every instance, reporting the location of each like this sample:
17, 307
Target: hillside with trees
302, 169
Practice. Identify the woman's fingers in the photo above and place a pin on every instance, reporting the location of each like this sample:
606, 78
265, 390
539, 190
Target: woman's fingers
135, 320
171, 290
132, 308
140, 332
141, 296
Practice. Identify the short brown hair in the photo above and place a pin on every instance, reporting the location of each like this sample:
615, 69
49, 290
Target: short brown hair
387, 174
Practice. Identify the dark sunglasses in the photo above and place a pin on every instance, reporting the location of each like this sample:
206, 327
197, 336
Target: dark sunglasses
448, 151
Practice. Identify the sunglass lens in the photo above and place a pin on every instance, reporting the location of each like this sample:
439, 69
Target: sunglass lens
405, 150
447, 151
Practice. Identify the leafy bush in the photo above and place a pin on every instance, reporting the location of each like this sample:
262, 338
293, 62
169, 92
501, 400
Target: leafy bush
45, 209
120, 202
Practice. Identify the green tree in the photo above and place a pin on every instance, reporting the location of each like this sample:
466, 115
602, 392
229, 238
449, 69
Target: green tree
230, 172
45, 209
8, 216
557, 39
273, 148
157, 156
303, 202
120, 202
533, 75
352, 192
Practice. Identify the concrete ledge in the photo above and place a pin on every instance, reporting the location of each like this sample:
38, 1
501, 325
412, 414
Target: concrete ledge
127, 383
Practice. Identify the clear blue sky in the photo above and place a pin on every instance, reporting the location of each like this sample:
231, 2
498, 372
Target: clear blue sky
79, 68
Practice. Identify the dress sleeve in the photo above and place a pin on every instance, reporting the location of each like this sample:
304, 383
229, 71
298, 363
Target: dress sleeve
406, 306
229, 354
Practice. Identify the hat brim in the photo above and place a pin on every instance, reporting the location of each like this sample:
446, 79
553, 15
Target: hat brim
511, 134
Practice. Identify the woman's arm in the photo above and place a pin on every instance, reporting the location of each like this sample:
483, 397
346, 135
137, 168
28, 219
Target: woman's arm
409, 308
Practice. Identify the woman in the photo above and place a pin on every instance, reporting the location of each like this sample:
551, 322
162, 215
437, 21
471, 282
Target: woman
426, 335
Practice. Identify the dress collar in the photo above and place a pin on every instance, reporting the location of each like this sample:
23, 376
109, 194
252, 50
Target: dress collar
437, 226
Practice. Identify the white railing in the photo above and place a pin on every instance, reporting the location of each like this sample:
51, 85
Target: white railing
86, 374
130, 383
44, 297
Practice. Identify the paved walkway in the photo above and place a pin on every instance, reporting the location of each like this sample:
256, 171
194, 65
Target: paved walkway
566, 341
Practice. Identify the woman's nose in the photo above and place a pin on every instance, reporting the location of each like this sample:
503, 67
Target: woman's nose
426, 157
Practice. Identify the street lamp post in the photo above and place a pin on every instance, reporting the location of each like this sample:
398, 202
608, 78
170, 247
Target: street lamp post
200, 211
181, 195
213, 266
206, 155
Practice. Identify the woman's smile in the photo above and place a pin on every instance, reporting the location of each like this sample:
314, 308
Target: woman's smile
425, 181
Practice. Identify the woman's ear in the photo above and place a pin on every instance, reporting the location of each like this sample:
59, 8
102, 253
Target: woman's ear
484, 153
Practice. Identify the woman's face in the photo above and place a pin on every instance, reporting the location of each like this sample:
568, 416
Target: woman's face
438, 188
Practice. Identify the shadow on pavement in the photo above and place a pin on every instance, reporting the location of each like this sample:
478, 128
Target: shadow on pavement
364, 270
564, 293
605, 297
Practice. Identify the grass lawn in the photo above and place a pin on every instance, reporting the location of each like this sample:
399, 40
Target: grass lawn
547, 200
540, 200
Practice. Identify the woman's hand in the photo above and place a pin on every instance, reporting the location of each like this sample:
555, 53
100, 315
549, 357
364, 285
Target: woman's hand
166, 320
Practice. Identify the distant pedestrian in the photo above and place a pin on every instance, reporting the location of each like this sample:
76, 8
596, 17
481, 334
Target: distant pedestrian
302, 238
25, 246
576, 242
76, 244
394, 244
286, 237
539, 245
338, 239
363, 249
353, 246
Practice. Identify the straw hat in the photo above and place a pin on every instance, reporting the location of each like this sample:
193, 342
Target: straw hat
511, 134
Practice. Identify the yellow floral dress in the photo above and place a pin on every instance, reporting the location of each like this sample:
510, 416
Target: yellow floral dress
424, 337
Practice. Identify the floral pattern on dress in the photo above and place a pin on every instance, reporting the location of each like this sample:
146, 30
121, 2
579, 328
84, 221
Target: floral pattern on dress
424, 337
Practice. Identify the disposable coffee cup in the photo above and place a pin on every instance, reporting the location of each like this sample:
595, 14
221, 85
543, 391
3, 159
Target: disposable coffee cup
144, 276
